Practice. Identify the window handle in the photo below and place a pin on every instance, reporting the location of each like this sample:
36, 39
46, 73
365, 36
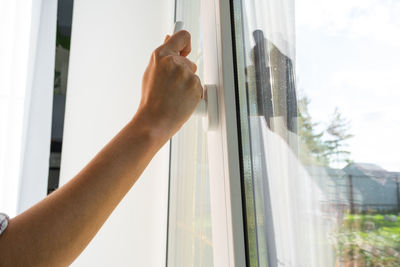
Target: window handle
207, 108
178, 26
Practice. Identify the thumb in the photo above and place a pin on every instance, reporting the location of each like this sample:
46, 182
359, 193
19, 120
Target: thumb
166, 38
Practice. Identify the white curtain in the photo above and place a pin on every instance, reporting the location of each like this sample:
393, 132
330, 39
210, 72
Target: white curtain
15, 36
21, 33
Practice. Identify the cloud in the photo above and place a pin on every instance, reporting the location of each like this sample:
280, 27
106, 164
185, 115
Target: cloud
368, 19
358, 92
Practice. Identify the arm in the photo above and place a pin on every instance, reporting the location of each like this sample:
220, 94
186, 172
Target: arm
56, 230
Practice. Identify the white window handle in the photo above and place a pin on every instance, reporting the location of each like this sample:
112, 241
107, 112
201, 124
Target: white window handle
208, 105
178, 26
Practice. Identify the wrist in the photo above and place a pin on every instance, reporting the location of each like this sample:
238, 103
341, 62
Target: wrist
149, 128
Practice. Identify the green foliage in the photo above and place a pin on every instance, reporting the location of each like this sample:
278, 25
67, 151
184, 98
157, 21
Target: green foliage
338, 135
63, 40
326, 147
358, 243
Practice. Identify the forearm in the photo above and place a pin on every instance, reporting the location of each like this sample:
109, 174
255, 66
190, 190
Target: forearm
56, 230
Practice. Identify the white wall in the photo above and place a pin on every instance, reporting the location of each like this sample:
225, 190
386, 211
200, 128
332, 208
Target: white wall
111, 46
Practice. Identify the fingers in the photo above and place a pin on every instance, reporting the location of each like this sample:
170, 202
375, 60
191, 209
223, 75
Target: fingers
178, 44
199, 87
186, 62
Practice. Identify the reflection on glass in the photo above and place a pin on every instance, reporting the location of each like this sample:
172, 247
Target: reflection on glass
189, 219
320, 170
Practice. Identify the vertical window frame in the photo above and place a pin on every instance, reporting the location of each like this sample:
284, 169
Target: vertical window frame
224, 158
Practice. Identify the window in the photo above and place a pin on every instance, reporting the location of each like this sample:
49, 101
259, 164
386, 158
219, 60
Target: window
302, 169
318, 136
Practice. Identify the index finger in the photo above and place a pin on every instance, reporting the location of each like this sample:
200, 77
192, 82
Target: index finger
179, 43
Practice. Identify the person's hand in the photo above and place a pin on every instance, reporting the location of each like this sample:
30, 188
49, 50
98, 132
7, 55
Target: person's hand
170, 88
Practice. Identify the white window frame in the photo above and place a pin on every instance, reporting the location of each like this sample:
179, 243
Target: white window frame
223, 143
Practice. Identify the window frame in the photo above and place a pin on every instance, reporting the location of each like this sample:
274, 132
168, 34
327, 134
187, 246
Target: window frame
228, 226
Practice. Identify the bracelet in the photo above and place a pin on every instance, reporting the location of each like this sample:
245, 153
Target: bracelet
3, 222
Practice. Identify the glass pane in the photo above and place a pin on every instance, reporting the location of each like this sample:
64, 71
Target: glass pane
319, 132
189, 230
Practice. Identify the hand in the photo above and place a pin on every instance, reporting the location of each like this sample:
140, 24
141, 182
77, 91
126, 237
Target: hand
170, 89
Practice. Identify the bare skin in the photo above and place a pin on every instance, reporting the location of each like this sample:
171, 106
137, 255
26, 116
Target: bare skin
57, 229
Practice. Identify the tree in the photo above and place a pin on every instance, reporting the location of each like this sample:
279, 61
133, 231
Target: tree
313, 149
336, 142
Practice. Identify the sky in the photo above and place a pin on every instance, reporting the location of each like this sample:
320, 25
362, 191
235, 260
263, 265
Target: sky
347, 56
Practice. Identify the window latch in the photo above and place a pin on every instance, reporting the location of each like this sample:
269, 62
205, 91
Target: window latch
208, 107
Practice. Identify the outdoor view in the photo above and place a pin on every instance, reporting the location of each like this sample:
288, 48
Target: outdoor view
319, 95
347, 64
